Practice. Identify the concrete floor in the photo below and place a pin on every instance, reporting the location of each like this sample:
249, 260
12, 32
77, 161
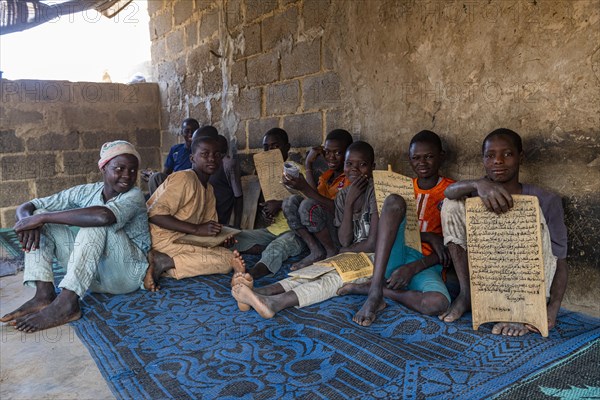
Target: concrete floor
51, 364
54, 364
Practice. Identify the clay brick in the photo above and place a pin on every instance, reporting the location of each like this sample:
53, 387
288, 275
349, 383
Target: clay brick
85, 118
47, 187
95, 140
31, 166
191, 34
335, 119
175, 43
136, 117
199, 112
279, 27
316, 13
147, 137
252, 44
150, 158
202, 5
7, 217
199, 59
154, 6
327, 58
304, 130
233, 14
10, 142
321, 91
166, 71
54, 141
80, 162
256, 8
212, 81
14, 193
209, 24
240, 136
182, 10
18, 117
189, 83
257, 128
216, 112
161, 24
283, 98
303, 59
263, 69
238, 73
168, 140
247, 104
145, 93
158, 51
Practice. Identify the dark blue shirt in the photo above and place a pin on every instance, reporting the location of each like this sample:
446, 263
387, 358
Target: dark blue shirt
178, 158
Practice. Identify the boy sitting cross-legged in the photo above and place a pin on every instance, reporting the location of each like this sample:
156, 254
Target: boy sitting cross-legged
356, 218
411, 278
185, 204
312, 218
275, 243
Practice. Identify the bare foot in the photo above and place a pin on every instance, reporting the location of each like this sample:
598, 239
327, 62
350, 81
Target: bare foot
245, 295
509, 329
242, 278
354, 288
42, 299
458, 307
65, 308
238, 263
368, 312
157, 264
308, 260
149, 282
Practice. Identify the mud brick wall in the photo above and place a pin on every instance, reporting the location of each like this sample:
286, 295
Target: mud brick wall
51, 133
385, 69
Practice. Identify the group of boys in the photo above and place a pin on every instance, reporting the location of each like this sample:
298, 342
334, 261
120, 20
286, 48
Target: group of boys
335, 213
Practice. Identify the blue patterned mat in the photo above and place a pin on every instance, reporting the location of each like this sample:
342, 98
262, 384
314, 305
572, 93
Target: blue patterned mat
190, 341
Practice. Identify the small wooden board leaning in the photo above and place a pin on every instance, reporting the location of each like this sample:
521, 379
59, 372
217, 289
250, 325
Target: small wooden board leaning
506, 264
389, 182
251, 190
269, 168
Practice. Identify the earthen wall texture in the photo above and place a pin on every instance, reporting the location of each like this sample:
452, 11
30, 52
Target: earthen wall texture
386, 69
51, 133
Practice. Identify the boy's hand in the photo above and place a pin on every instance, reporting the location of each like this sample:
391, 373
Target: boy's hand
28, 232
313, 154
146, 173
271, 208
298, 183
357, 188
437, 244
495, 197
210, 228
29, 240
401, 277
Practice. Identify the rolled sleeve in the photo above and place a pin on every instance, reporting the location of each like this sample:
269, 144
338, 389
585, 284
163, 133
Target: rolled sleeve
126, 207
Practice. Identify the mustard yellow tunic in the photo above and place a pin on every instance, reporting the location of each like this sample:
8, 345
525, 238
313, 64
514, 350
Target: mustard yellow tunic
182, 196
